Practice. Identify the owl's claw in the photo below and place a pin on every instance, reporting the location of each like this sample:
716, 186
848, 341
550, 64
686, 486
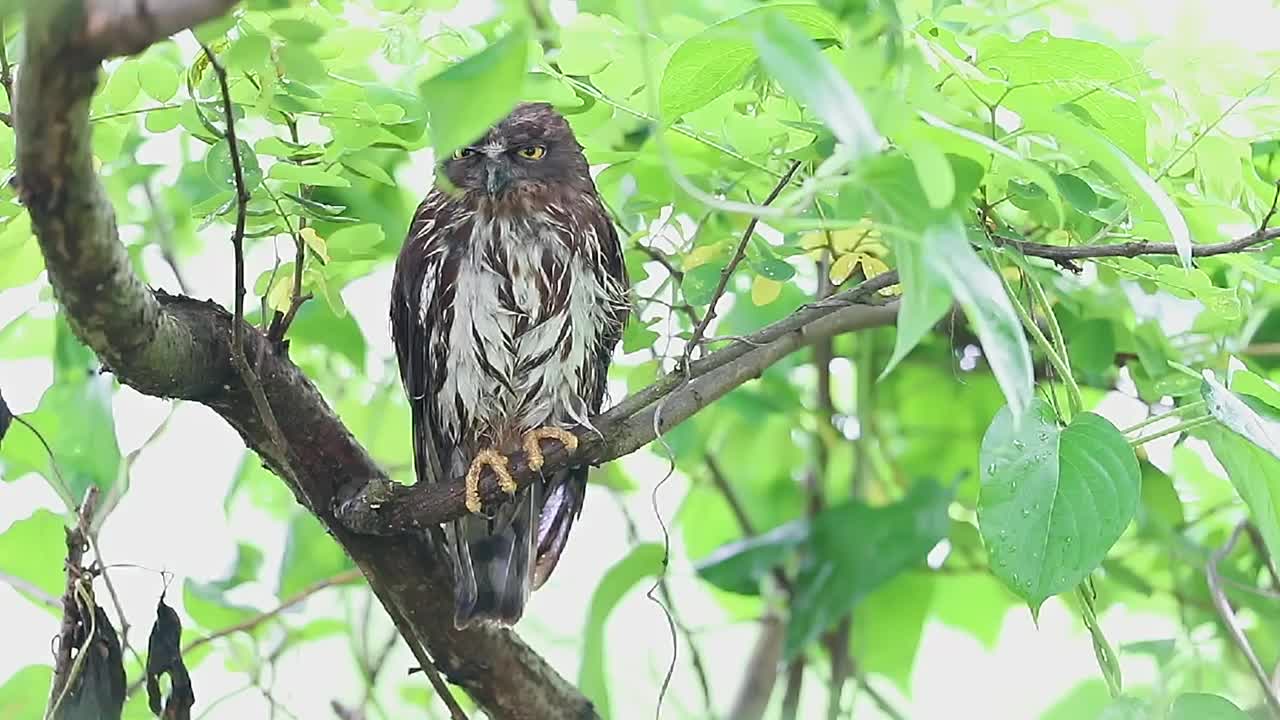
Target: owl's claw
534, 451
495, 461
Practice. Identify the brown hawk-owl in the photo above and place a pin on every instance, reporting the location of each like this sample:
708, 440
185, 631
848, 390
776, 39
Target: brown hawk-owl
508, 300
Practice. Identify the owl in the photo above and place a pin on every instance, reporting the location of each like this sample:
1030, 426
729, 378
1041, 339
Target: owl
508, 299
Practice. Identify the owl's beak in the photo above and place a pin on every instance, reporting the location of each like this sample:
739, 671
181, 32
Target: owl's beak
497, 176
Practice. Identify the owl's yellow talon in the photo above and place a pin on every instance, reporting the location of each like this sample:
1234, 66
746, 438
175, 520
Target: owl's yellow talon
495, 461
534, 451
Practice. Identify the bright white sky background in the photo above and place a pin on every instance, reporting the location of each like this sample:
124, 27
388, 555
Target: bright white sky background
173, 516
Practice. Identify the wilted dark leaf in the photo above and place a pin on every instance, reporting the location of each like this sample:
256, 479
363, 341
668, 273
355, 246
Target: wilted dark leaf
96, 686
6, 418
164, 655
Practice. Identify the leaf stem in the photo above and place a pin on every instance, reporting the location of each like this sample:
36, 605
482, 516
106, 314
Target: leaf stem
1107, 661
1055, 330
1163, 416
1058, 361
1191, 424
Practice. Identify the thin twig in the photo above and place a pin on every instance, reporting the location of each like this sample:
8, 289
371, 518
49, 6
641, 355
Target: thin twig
446, 696
249, 624
727, 272
6, 78
730, 495
247, 375
664, 589
1228, 617
791, 696
880, 700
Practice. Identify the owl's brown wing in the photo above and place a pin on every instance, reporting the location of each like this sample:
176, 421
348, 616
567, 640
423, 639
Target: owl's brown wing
414, 311
566, 492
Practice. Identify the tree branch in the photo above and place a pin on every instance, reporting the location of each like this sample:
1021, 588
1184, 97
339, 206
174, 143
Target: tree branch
1063, 253
727, 272
173, 346
386, 507
1228, 617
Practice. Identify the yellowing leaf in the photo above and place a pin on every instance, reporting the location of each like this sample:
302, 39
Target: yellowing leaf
764, 290
281, 292
316, 243
700, 256
843, 267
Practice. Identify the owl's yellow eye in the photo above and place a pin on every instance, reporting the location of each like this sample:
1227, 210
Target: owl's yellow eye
465, 152
532, 152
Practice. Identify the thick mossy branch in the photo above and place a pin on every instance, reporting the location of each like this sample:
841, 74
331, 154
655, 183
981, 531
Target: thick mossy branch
179, 347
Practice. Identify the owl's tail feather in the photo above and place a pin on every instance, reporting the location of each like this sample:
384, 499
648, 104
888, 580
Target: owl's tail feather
496, 574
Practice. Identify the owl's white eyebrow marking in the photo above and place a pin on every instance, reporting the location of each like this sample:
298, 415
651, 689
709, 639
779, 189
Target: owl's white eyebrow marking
493, 149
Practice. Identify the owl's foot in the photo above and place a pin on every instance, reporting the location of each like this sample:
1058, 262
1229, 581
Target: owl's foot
495, 461
534, 451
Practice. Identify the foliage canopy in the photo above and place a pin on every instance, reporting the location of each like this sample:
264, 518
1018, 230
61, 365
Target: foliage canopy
1079, 223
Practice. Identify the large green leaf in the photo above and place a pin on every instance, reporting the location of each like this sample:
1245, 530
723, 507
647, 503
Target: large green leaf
793, 60
33, 549
75, 419
310, 555
1053, 500
1255, 473
26, 692
1250, 418
1045, 71
642, 562
888, 625
926, 297
976, 287
856, 549
739, 566
464, 100
1203, 706
712, 62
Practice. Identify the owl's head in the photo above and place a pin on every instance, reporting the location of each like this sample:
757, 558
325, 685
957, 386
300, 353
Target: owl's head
532, 146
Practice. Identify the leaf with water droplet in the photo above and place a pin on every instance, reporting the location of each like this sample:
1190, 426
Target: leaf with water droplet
1052, 485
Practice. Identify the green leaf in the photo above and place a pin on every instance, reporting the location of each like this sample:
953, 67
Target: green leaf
642, 562
75, 419
1255, 473
715, 60
1250, 419
205, 605
793, 60
637, 336
888, 625
1045, 71
307, 175
933, 170
699, 284
856, 549
464, 100
33, 549
976, 287
297, 30
217, 163
158, 78
1053, 501
310, 555
1029, 169
26, 692
926, 297
1203, 706
739, 566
